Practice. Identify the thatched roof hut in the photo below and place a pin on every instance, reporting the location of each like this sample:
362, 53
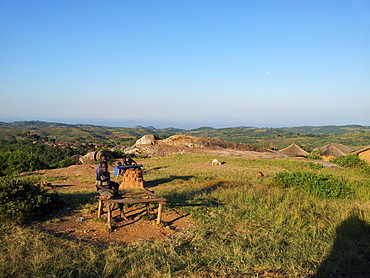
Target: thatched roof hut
294, 150
364, 154
333, 149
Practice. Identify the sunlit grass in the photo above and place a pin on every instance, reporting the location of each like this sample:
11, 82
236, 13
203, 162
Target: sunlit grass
245, 228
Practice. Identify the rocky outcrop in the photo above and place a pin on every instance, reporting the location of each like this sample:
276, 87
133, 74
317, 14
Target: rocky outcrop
147, 140
88, 158
91, 157
76, 158
151, 146
98, 154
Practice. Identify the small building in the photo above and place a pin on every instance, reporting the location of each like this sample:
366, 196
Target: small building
364, 154
333, 150
294, 150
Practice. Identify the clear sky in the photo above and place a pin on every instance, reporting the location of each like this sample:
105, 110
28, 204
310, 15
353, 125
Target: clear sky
186, 64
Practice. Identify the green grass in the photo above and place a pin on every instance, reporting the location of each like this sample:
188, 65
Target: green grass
245, 228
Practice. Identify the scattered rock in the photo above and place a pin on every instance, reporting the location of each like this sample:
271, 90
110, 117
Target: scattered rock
151, 146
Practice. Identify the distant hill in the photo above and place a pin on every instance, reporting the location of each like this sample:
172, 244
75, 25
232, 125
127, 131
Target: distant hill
79, 132
327, 129
307, 137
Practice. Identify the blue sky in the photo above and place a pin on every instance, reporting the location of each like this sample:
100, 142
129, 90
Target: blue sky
186, 64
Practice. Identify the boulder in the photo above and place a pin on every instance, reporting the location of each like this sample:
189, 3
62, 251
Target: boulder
76, 158
107, 154
88, 158
149, 139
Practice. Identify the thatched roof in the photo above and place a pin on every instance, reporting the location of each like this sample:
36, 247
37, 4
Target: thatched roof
294, 150
362, 150
333, 149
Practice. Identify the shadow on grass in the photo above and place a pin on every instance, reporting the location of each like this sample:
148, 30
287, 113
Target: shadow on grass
155, 169
70, 202
194, 197
154, 183
350, 254
74, 200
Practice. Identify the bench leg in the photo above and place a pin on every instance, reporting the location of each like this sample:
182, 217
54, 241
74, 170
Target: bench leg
147, 208
160, 205
110, 217
122, 212
100, 208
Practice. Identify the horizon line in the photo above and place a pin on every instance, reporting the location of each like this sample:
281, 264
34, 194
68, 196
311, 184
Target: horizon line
169, 127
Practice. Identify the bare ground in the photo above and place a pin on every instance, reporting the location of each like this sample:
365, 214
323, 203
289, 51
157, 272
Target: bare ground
83, 223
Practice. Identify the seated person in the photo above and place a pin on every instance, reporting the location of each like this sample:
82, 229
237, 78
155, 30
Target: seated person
117, 170
103, 157
129, 161
124, 161
104, 185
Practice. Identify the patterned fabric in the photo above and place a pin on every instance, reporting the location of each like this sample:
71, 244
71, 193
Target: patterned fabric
103, 179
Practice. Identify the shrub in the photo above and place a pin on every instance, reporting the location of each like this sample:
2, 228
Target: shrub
315, 155
19, 161
315, 166
23, 199
321, 185
63, 163
351, 161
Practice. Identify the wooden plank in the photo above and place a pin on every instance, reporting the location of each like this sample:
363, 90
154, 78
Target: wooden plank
124, 167
134, 201
140, 193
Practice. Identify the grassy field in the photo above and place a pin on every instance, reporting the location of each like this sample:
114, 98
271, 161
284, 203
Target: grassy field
245, 228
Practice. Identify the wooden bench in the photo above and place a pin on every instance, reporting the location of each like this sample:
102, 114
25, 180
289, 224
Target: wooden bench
146, 198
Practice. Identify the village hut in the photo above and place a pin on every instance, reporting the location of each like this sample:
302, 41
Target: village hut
294, 150
333, 150
364, 154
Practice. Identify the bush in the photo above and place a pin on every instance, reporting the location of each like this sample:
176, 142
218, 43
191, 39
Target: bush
18, 161
23, 199
315, 166
315, 155
63, 163
320, 185
351, 161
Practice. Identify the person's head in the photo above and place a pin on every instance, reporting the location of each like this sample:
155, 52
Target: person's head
104, 166
103, 157
119, 163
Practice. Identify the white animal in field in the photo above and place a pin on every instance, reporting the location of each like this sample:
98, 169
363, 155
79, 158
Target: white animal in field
216, 162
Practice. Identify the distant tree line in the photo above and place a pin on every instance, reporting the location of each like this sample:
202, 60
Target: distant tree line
23, 155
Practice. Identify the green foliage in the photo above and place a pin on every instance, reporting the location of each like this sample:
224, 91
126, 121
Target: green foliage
315, 155
23, 199
116, 153
63, 163
19, 161
17, 158
351, 161
315, 166
320, 185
